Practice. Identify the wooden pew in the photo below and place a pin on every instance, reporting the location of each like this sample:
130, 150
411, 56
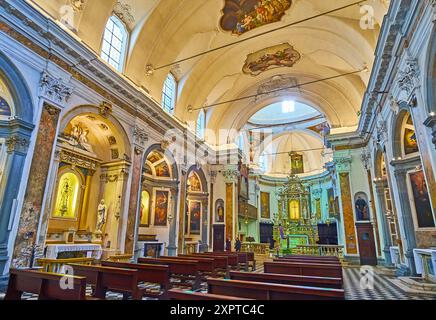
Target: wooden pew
221, 262
177, 294
185, 270
242, 258
150, 273
57, 265
319, 282
271, 291
233, 259
251, 260
46, 285
105, 279
304, 269
206, 266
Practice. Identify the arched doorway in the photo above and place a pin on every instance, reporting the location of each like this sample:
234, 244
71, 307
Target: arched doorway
194, 233
86, 201
417, 217
16, 126
158, 203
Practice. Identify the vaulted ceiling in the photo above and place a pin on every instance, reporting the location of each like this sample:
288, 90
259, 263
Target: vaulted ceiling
164, 31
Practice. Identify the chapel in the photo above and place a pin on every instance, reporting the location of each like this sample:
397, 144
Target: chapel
218, 149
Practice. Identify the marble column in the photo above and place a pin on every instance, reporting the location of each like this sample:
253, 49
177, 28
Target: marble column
10, 185
406, 217
172, 234
380, 189
132, 217
182, 212
31, 212
204, 218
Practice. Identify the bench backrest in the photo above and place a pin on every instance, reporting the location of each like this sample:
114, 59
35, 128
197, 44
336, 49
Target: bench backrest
300, 260
220, 261
303, 269
184, 267
203, 263
152, 273
232, 259
46, 285
320, 282
177, 294
270, 291
107, 278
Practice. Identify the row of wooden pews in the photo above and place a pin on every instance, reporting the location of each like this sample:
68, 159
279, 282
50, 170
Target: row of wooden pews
288, 278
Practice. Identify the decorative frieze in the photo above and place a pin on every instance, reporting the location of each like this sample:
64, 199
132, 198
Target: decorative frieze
77, 160
55, 89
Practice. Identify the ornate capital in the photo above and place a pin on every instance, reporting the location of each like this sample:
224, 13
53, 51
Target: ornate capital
408, 77
140, 136
17, 144
54, 89
231, 175
343, 163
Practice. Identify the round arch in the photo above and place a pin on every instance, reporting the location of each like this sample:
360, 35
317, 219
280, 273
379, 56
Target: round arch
430, 70
18, 89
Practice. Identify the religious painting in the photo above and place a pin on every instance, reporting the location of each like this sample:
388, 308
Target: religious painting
265, 205
283, 55
424, 213
163, 170
297, 166
243, 182
194, 217
294, 209
410, 142
67, 196
240, 16
194, 184
144, 210
161, 208
219, 211
5, 109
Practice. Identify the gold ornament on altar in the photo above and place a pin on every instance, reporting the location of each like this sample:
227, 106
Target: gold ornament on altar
294, 223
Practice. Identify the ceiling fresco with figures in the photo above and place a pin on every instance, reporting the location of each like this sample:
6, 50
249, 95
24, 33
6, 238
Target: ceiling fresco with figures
290, 61
240, 16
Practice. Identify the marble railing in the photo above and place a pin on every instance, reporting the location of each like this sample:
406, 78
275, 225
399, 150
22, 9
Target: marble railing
257, 248
320, 250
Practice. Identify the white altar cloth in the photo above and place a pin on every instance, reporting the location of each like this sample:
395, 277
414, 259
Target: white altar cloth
92, 250
418, 261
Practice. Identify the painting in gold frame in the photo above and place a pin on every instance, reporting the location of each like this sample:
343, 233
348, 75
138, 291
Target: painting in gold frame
265, 205
161, 207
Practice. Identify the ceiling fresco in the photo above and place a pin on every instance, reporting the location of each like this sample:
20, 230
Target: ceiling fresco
240, 16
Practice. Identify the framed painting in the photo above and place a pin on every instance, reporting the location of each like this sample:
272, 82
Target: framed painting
265, 205
161, 204
421, 199
144, 210
194, 217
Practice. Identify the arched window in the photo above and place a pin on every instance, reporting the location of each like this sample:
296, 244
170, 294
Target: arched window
169, 93
115, 40
201, 124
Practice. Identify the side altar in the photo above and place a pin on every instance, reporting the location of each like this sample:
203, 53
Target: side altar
294, 224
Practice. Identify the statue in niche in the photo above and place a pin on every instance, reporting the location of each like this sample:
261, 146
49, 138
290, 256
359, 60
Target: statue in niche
362, 209
101, 216
66, 193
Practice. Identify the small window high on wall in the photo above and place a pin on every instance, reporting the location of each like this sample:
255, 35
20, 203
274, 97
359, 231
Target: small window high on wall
169, 94
115, 40
201, 124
